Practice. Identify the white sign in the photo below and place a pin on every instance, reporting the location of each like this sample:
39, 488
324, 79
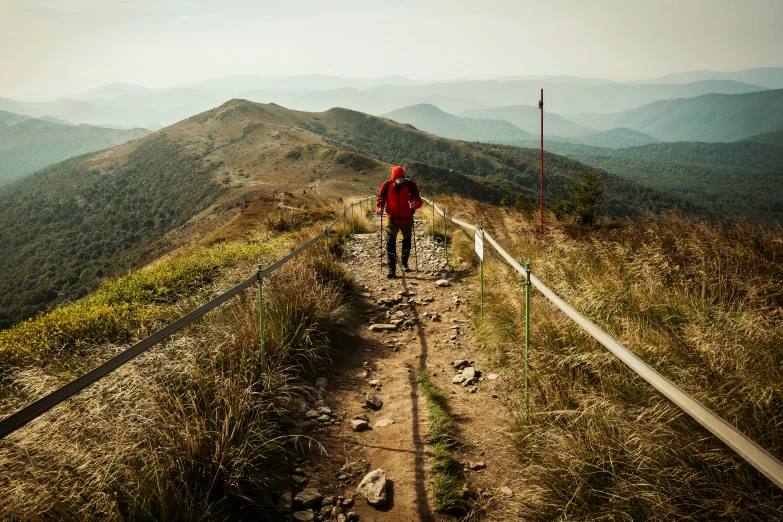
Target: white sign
480, 242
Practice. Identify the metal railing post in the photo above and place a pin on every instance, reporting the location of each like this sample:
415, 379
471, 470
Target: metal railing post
481, 269
445, 238
433, 220
345, 212
527, 338
353, 223
261, 318
326, 235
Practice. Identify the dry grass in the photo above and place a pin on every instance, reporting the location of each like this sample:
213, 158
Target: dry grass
192, 429
700, 303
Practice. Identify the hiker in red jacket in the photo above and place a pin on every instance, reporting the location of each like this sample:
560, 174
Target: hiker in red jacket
400, 197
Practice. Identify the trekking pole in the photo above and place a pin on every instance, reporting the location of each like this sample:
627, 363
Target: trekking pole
381, 237
413, 231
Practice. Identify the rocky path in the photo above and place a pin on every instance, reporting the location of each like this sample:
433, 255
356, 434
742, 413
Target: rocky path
370, 412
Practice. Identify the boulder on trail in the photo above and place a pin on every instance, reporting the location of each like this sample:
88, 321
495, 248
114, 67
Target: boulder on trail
442, 282
373, 488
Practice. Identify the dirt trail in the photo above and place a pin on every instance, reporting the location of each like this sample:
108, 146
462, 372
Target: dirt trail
422, 342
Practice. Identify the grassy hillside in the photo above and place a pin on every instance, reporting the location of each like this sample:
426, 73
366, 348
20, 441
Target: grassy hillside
429, 118
68, 226
697, 301
27, 146
711, 117
743, 178
196, 428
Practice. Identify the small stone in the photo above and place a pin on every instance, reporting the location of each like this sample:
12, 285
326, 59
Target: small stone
298, 480
328, 501
375, 383
325, 410
321, 382
348, 502
352, 517
303, 516
495, 396
442, 282
326, 511
359, 425
373, 488
381, 327
469, 372
475, 466
307, 498
458, 379
460, 363
492, 376
324, 418
506, 491
472, 389
311, 414
383, 423
335, 512
341, 518
285, 504
372, 401
362, 417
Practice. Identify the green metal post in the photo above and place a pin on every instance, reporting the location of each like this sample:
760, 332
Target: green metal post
445, 239
261, 319
527, 338
326, 235
353, 224
433, 221
345, 212
481, 269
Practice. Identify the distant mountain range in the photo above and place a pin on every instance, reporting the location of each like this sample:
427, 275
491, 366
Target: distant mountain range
137, 106
711, 117
494, 128
28, 144
770, 77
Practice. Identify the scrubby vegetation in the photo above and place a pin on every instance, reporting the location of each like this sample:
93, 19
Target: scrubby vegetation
701, 303
65, 228
191, 430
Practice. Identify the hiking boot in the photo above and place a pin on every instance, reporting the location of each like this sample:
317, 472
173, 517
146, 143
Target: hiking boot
391, 274
391, 263
405, 256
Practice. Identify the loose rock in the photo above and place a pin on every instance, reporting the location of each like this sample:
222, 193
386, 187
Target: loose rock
442, 282
307, 498
373, 488
286, 502
304, 516
321, 382
383, 423
359, 425
373, 401
382, 327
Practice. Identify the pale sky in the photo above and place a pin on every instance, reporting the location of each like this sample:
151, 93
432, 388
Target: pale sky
54, 47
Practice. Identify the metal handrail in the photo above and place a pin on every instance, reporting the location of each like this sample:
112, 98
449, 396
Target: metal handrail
745, 447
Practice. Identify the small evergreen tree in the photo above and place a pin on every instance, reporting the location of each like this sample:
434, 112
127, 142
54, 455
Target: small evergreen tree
584, 194
583, 199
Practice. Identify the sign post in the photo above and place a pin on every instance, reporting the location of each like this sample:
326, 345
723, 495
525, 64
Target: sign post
479, 246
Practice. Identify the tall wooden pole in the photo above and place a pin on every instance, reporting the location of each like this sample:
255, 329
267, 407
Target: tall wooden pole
541, 164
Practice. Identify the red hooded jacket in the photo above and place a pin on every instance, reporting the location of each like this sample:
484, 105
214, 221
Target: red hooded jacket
396, 198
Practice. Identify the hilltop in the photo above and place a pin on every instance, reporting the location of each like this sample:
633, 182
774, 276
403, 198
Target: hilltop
111, 211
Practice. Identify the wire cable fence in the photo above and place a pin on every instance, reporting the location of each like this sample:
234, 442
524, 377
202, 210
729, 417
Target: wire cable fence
746, 448
34, 410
